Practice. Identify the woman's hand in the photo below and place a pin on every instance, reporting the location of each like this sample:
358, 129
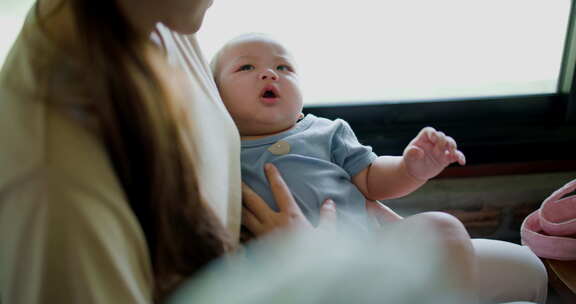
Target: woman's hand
260, 219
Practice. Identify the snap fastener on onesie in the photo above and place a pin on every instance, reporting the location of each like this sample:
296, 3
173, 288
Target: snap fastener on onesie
281, 147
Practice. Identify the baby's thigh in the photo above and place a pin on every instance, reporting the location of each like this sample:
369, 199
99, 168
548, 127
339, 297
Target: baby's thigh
446, 226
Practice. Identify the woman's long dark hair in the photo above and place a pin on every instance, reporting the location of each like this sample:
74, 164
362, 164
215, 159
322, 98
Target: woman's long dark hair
150, 147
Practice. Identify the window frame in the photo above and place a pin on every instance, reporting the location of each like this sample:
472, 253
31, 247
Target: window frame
509, 129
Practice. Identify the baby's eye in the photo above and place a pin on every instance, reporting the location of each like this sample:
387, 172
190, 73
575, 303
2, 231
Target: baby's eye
245, 67
284, 67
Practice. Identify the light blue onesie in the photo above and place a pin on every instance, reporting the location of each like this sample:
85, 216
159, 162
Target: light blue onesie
317, 159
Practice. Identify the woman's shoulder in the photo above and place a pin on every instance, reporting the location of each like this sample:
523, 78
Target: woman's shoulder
44, 110
38, 67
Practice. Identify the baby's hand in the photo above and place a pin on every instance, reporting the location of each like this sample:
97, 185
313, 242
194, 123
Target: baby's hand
429, 153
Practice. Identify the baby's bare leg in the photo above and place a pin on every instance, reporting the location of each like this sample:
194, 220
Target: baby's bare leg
453, 236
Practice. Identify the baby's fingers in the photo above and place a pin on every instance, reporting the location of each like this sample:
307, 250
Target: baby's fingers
456, 156
429, 133
441, 146
460, 158
449, 148
451, 144
453, 153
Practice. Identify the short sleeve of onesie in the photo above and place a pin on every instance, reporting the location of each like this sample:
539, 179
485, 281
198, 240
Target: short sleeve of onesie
348, 152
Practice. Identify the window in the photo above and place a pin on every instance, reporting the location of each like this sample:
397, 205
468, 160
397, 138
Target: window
498, 75
371, 51
12, 13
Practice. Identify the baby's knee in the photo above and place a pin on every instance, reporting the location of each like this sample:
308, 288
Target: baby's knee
446, 225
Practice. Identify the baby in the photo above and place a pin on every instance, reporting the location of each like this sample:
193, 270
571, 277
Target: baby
318, 158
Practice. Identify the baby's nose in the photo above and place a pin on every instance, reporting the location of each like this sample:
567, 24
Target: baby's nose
268, 74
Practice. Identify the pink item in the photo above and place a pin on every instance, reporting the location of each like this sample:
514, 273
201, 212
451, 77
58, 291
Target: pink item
550, 231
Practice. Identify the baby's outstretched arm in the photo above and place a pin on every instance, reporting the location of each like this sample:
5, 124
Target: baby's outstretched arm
394, 176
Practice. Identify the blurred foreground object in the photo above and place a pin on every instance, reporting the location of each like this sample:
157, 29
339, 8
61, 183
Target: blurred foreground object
397, 265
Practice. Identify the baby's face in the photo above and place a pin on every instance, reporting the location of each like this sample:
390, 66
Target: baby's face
259, 86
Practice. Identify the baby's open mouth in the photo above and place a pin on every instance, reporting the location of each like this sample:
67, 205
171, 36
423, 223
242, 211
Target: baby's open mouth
269, 94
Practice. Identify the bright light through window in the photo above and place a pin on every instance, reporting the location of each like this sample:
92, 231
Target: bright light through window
366, 50
12, 14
